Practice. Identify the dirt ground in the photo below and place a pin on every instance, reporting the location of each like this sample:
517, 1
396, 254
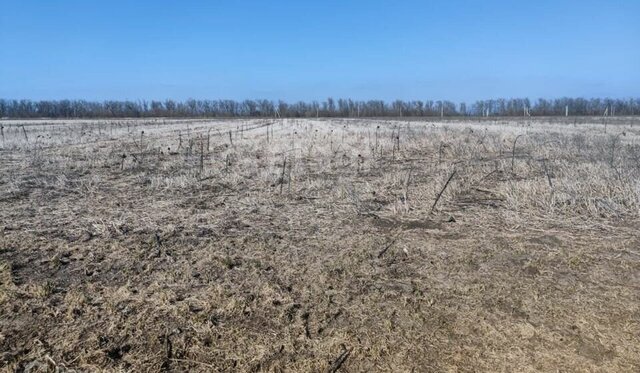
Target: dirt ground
345, 245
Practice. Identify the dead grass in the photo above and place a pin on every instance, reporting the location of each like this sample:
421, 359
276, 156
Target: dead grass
316, 248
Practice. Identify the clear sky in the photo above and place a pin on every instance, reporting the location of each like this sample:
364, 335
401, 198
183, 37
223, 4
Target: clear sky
305, 50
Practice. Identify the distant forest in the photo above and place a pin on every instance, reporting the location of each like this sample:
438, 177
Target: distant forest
328, 108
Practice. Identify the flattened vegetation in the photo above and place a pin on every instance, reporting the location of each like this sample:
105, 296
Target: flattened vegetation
328, 245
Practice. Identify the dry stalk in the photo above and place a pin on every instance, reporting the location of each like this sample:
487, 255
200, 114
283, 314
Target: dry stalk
24, 131
376, 145
513, 153
546, 171
284, 166
441, 151
442, 190
201, 155
407, 181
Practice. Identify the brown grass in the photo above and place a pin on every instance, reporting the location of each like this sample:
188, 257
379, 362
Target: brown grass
315, 247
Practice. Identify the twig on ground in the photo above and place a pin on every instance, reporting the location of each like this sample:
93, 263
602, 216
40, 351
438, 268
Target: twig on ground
339, 361
387, 247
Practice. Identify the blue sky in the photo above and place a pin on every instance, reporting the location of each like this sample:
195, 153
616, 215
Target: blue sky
305, 50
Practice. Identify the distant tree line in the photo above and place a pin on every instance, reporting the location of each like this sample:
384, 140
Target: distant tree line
328, 108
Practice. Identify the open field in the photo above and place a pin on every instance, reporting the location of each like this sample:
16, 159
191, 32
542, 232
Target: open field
344, 245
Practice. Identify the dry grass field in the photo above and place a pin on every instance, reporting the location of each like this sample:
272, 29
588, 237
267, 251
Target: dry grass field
490, 245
